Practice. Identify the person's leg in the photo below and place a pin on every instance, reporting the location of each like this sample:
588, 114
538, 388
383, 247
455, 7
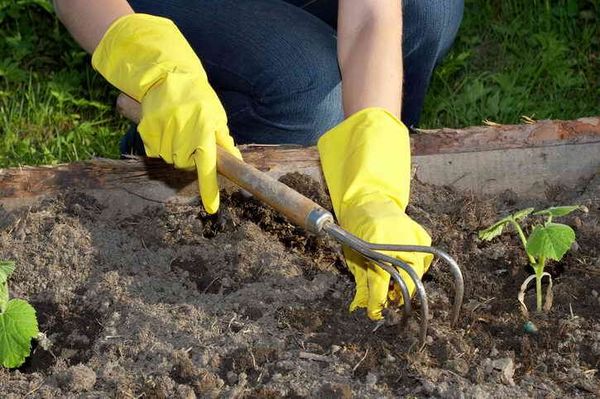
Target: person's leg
271, 90
273, 65
325, 10
430, 27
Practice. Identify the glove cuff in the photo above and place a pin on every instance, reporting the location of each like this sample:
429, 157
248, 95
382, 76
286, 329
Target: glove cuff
139, 50
366, 155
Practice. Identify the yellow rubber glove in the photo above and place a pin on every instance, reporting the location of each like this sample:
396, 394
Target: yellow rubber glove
366, 163
183, 120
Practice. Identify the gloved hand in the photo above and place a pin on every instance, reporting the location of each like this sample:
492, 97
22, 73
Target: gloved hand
366, 163
183, 120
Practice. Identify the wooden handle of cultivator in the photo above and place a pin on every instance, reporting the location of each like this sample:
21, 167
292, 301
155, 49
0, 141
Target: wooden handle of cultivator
296, 207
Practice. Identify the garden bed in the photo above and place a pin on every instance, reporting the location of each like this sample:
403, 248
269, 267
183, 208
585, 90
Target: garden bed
164, 301
143, 295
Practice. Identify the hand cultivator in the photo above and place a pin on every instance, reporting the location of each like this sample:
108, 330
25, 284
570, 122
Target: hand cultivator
315, 219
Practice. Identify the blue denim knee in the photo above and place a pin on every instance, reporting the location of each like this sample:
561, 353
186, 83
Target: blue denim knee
274, 64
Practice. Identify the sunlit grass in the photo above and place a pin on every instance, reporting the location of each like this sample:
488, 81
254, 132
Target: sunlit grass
40, 125
535, 58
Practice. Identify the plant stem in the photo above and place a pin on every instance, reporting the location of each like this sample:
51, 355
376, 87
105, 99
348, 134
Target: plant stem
523, 241
539, 271
3, 296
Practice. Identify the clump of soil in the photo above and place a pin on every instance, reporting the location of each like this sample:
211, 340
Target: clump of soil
173, 303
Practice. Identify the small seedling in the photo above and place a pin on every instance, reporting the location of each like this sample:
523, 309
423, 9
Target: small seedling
18, 323
547, 241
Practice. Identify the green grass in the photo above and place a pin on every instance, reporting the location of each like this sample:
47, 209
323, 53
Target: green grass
511, 58
53, 106
43, 125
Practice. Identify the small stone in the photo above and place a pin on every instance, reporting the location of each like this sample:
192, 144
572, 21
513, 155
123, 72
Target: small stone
43, 341
494, 352
428, 387
575, 247
506, 366
232, 378
594, 293
335, 349
429, 340
487, 365
371, 380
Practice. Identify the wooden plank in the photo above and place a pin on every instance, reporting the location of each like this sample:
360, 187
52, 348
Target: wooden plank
524, 158
526, 171
491, 138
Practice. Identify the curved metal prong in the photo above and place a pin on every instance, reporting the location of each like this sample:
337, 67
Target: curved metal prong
403, 288
459, 285
420, 288
366, 249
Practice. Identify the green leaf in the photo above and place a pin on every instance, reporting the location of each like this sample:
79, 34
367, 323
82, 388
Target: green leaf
497, 228
551, 241
18, 325
494, 230
6, 269
556, 211
522, 214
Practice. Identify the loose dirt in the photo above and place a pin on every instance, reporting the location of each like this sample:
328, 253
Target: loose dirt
172, 303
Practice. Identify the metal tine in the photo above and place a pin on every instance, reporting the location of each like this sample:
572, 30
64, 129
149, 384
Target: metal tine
420, 288
459, 285
397, 278
364, 248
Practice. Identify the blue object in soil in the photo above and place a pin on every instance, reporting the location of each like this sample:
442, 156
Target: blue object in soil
530, 328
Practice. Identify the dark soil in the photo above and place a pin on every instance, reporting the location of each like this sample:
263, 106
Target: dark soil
172, 303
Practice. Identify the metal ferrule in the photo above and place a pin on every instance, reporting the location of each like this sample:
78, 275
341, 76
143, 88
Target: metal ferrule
316, 219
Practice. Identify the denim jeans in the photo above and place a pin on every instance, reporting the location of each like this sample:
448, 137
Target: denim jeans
273, 63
